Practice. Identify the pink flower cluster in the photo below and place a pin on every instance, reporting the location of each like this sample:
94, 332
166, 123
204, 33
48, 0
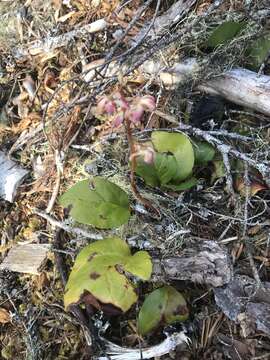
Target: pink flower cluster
120, 108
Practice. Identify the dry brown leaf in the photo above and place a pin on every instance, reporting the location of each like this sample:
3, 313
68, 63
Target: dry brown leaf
253, 188
57, 4
29, 120
202, 7
4, 316
254, 230
30, 86
65, 17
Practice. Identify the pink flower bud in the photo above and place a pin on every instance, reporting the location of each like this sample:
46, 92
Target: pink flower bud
101, 104
149, 155
135, 114
110, 107
118, 119
148, 102
120, 101
106, 105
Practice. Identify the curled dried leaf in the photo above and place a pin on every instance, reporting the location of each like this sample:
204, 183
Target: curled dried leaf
4, 316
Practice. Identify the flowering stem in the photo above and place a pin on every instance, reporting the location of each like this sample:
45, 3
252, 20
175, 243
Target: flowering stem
132, 150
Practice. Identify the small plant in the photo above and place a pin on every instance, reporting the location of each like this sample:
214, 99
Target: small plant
129, 111
168, 161
99, 279
102, 270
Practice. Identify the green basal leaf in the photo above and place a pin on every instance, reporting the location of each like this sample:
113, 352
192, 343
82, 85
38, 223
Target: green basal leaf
163, 306
104, 206
203, 151
178, 145
98, 270
225, 33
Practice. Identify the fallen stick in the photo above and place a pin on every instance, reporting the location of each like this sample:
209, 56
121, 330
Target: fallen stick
52, 43
68, 228
204, 262
11, 176
116, 352
242, 87
165, 21
239, 85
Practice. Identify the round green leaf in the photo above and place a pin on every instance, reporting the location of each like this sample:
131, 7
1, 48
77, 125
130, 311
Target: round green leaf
160, 172
163, 306
180, 146
98, 269
104, 206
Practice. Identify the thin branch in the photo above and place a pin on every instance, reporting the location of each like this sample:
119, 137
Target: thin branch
52, 43
136, 17
244, 235
225, 156
59, 169
140, 41
70, 229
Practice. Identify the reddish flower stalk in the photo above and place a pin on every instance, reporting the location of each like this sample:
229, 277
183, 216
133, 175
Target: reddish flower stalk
127, 112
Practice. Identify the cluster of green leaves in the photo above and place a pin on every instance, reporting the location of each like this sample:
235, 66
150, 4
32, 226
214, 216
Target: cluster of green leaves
102, 270
99, 277
101, 273
224, 33
174, 161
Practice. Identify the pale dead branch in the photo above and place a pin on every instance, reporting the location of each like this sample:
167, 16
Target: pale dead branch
11, 176
52, 43
116, 352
